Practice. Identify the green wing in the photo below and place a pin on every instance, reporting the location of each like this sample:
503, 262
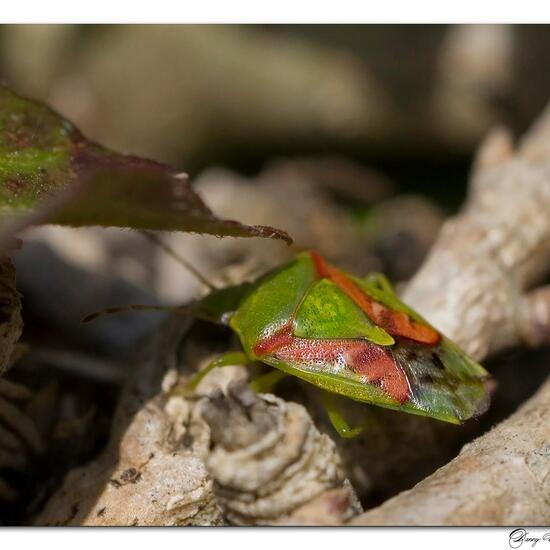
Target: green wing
326, 312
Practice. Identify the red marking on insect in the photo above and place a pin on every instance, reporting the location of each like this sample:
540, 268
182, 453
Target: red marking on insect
373, 362
396, 323
274, 341
377, 364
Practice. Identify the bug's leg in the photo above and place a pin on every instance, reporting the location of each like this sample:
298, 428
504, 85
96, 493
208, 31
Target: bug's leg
380, 281
337, 420
266, 382
225, 360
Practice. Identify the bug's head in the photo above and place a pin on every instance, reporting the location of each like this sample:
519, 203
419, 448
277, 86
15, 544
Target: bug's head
218, 305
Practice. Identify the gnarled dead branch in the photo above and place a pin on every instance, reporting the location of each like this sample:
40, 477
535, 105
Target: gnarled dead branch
269, 461
502, 478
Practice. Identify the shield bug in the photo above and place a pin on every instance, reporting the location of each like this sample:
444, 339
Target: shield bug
349, 336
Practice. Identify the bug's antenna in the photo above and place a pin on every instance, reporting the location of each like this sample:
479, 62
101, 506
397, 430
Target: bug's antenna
171, 252
132, 307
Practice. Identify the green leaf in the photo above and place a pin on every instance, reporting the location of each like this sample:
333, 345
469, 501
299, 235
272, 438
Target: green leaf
50, 173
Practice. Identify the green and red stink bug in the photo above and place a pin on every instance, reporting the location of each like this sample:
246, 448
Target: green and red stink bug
348, 336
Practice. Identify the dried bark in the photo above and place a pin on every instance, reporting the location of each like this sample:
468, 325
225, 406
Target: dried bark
269, 462
18, 435
146, 475
11, 322
476, 286
502, 478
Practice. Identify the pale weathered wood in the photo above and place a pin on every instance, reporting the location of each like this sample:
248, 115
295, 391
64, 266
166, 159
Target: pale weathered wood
475, 287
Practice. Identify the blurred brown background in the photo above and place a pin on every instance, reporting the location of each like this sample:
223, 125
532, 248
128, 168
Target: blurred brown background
412, 100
